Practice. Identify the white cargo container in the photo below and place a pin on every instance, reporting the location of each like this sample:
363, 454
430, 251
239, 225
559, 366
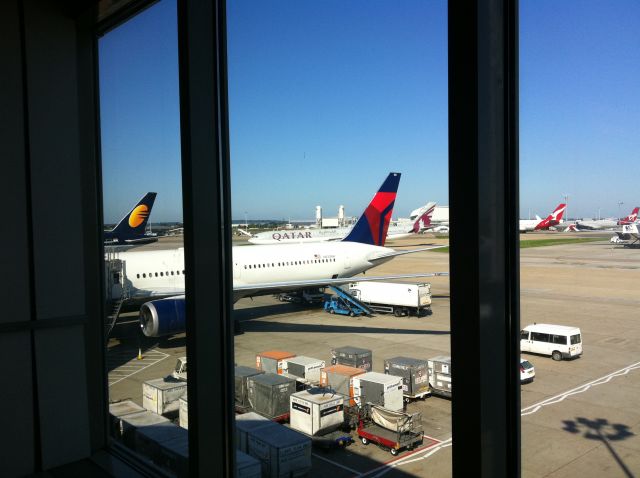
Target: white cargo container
183, 414
128, 424
166, 445
246, 424
315, 412
440, 375
162, 396
394, 297
304, 367
247, 466
378, 389
282, 452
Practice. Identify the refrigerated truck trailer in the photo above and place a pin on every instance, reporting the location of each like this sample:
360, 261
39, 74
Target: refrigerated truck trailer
394, 297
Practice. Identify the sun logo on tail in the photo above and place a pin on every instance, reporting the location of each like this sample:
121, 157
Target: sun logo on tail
138, 215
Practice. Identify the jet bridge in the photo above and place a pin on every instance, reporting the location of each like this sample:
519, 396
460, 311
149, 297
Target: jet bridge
117, 290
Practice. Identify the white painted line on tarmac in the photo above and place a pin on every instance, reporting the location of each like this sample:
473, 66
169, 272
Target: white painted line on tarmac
146, 363
417, 456
339, 465
531, 409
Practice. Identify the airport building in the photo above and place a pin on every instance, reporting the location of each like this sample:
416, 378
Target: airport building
55, 406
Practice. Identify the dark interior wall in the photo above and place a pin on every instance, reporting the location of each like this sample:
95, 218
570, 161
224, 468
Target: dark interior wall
48, 175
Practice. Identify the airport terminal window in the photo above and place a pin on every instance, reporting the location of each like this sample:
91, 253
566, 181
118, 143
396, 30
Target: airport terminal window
575, 113
140, 135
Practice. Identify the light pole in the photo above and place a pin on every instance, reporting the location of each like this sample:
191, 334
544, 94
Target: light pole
566, 204
620, 203
246, 226
599, 209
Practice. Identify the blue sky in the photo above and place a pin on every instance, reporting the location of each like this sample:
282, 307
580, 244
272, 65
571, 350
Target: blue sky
327, 97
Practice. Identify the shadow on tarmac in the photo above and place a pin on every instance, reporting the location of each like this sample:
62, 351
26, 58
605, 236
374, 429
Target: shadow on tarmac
601, 430
260, 326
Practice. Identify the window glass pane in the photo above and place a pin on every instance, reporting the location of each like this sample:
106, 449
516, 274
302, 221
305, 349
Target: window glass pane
140, 139
326, 100
579, 112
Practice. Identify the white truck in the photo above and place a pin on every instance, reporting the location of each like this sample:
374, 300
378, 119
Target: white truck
396, 298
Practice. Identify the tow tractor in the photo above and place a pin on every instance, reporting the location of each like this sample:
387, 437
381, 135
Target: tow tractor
392, 430
345, 304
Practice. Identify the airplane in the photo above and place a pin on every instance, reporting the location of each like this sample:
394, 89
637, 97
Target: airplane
539, 224
156, 278
397, 231
596, 225
631, 218
131, 228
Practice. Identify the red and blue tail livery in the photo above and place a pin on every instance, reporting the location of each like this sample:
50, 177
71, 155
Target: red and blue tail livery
372, 226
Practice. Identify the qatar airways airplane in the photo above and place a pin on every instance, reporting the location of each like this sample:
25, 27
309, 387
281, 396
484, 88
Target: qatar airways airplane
538, 224
398, 231
269, 269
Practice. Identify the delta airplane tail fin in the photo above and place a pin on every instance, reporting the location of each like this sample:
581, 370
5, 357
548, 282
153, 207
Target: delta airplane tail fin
372, 226
135, 222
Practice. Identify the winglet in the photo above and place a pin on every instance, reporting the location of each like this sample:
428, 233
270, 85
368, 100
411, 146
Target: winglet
373, 225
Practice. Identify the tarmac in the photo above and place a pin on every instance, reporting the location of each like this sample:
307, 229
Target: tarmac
579, 417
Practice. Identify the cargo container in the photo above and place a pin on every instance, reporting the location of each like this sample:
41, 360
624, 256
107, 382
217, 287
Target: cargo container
166, 445
269, 394
247, 466
440, 375
246, 424
272, 361
161, 395
378, 389
352, 357
117, 411
183, 414
282, 452
396, 298
340, 379
414, 373
242, 374
130, 423
304, 367
316, 411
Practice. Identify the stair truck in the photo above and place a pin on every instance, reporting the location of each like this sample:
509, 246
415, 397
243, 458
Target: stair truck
395, 298
344, 303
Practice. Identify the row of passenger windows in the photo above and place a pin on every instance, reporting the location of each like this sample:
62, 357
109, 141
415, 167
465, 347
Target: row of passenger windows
542, 337
159, 274
290, 263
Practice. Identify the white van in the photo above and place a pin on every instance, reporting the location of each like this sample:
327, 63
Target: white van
559, 341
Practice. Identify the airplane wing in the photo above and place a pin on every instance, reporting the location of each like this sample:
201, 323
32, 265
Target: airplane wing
379, 256
245, 232
276, 287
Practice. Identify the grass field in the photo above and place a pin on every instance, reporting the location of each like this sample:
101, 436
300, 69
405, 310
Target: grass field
544, 242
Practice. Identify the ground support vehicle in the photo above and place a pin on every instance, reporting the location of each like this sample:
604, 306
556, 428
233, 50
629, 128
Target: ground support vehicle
558, 341
305, 296
395, 298
407, 432
344, 303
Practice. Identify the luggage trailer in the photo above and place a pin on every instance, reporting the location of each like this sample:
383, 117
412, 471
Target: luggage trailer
394, 441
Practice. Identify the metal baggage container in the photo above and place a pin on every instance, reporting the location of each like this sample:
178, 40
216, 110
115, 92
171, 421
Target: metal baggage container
183, 414
440, 375
161, 395
269, 394
246, 424
129, 423
379, 389
316, 411
340, 379
247, 466
352, 357
414, 373
241, 376
117, 411
272, 361
166, 445
282, 452
304, 367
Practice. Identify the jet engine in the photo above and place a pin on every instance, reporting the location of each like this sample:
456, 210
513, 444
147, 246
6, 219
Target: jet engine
163, 317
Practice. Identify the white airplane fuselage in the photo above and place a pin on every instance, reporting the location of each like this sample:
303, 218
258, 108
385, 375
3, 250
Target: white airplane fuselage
161, 273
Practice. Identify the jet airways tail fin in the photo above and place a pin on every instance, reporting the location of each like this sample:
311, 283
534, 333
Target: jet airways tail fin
135, 222
372, 226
